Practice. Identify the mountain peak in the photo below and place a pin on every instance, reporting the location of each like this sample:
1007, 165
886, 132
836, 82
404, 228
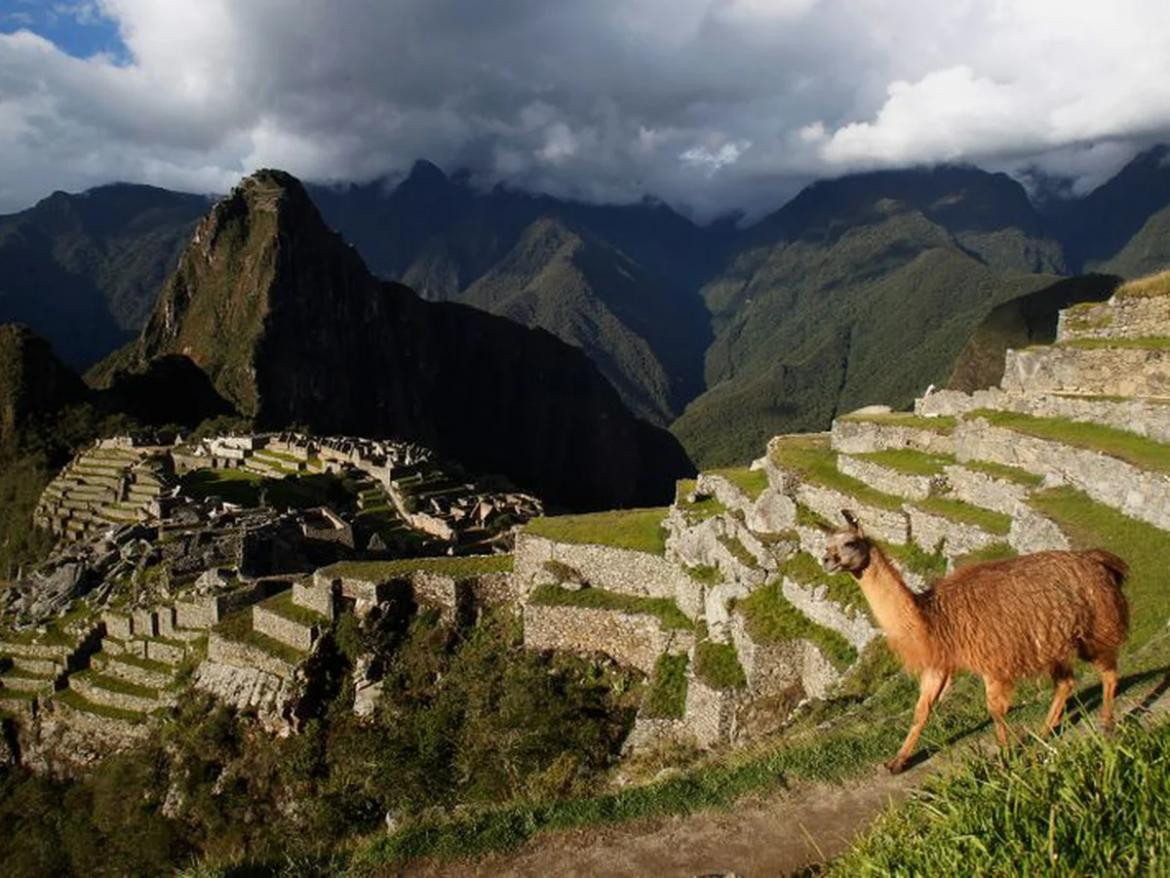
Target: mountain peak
425, 173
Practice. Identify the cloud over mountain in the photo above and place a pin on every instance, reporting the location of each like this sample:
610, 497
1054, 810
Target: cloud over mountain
711, 104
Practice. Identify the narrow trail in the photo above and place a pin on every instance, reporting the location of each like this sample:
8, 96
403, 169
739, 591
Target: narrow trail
774, 835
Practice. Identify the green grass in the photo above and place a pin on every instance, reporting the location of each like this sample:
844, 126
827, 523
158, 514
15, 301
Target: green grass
771, 619
282, 604
994, 552
738, 550
139, 662
247, 488
17, 695
666, 696
751, 482
705, 574
717, 665
637, 529
818, 756
907, 419
1085, 807
238, 628
966, 513
457, 567
806, 517
930, 565
906, 460
72, 699
1143, 453
664, 609
840, 588
1142, 343
1005, 472
117, 684
813, 460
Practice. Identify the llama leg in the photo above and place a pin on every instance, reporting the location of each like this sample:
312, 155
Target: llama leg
1107, 667
999, 699
930, 687
1062, 681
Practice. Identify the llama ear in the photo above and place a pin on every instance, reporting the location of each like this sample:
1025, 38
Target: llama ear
851, 520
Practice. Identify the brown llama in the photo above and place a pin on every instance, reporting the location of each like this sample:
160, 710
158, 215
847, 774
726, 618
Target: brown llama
1002, 620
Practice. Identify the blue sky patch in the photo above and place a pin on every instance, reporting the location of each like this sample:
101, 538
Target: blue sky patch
77, 27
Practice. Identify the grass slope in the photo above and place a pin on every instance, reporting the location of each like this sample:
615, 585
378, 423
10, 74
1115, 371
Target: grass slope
636, 529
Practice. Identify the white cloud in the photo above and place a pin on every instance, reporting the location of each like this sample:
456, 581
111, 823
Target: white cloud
604, 100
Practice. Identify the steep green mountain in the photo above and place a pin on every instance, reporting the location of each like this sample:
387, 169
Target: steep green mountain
1123, 226
34, 384
83, 270
285, 319
860, 290
620, 282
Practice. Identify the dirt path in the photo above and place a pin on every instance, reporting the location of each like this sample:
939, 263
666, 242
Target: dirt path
775, 835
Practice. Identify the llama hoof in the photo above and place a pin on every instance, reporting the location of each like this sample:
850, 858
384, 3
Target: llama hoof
895, 765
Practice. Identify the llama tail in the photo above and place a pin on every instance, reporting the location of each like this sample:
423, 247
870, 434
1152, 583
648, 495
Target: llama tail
1117, 569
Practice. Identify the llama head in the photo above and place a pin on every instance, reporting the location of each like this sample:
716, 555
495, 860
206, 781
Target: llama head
847, 550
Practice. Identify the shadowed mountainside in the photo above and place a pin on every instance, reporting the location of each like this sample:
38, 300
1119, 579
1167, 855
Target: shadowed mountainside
291, 328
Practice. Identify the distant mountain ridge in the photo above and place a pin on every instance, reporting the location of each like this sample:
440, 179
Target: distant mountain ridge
861, 288
83, 270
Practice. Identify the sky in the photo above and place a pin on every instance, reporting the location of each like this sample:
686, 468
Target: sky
711, 105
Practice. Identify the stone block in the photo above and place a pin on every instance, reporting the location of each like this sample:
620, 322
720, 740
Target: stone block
1096, 371
287, 631
858, 436
118, 625
318, 598
632, 639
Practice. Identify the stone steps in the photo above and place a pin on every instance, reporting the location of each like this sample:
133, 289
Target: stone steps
1100, 371
114, 692
292, 624
38, 666
859, 434
141, 672
954, 525
913, 475
25, 681
1122, 316
12, 648
1087, 465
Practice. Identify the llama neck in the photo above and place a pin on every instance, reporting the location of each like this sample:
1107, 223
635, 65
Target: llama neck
892, 602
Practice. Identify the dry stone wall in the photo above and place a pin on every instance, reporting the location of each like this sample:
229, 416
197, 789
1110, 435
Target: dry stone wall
1125, 317
633, 639
1104, 372
621, 570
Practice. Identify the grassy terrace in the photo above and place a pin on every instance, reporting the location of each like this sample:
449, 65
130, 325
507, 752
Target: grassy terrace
637, 529
75, 701
665, 610
17, 695
717, 665
771, 619
666, 696
1142, 343
813, 460
1145, 287
244, 487
282, 604
840, 588
852, 742
117, 684
738, 550
1006, 473
238, 628
908, 461
994, 552
930, 565
457, 567
966, 513
1134, 449
144, 663
906, 419
751, 482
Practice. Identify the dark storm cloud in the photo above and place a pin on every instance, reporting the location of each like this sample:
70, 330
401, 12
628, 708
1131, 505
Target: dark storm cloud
712, 104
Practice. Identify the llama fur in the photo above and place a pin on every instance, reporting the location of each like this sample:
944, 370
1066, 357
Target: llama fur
1003, 620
